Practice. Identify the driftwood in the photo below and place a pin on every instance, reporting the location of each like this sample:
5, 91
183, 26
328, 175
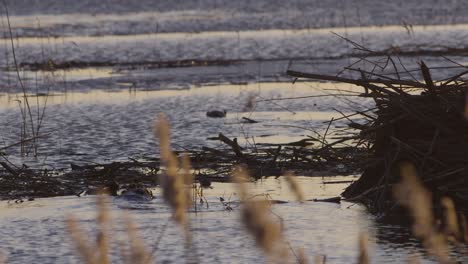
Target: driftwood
8, 168
336, 199
232, 143
248, 120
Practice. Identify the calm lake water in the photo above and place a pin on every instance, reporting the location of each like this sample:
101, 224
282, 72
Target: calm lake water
34, 231
115, 67
103, 126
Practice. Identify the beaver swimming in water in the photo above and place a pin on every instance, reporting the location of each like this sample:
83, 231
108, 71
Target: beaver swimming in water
137, 194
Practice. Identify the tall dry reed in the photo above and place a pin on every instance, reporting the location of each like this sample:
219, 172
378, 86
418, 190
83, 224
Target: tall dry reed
451, 226
363, 249
136, 251
173, 182
257, 219
294, 186
411, 193
320, 259
97, 252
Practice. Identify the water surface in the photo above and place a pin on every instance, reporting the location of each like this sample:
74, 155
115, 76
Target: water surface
98, 72
104, 126
325, 229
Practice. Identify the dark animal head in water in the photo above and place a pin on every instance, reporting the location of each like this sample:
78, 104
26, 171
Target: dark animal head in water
216, 113
137, 193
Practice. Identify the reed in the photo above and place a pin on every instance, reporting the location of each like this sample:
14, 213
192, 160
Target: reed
137, 251
256, 217
363, 257
320, 259
294, 186
451, 225
301, 256
30, 127
411, 193
98, 252
173, 182
413, 260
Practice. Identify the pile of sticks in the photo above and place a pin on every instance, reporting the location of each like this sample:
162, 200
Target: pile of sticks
25, 183
209, 165
265, 160
423, 122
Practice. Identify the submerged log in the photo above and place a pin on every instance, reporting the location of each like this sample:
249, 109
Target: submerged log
328, 200
248, 120
9, 168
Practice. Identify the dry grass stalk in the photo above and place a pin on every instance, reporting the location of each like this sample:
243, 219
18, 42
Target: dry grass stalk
85, 251
320, 259
103, 223
257, 219
198, 196
90, 253
301, 256
451, 229
250, 103
363, 249
413, 260
137, 251
294, 186
412, 194
464, 227
3, 258
98, 253
173, 183
196, 191
188, 175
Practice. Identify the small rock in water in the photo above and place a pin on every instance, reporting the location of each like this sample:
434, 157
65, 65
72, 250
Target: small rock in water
216, 113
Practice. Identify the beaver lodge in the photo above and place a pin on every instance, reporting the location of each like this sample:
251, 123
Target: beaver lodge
422, 122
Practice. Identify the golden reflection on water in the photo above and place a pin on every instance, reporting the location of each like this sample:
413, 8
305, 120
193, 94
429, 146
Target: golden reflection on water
312, 187
228, 34
56, 19
64, 75
275, 188
125, 96
89, 73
